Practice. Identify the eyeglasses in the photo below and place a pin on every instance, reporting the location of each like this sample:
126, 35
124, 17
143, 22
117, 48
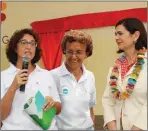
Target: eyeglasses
77, 52
25, 42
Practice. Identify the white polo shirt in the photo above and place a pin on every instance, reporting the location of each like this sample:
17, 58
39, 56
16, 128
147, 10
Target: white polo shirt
77, 97
39, 79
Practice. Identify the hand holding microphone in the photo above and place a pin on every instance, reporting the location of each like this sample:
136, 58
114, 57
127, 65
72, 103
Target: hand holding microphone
20, 79
22, 76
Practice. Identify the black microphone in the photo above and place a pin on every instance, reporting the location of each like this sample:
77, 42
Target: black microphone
25, 62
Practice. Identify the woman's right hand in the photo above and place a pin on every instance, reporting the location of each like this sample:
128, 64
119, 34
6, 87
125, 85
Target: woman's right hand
21, 78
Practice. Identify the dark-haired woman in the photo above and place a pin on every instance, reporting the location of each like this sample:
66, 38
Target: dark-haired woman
24, 42
125, 97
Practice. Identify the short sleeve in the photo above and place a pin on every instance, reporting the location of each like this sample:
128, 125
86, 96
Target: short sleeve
2, 86
54, 92
93, 93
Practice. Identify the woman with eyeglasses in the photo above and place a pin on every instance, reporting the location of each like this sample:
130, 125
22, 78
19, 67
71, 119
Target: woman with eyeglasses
25, 42
76, 85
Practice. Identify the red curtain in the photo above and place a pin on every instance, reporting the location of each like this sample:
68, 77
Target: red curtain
52, 54
51, 31
91, 20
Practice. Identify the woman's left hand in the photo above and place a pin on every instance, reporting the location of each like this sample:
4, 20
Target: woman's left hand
49, 103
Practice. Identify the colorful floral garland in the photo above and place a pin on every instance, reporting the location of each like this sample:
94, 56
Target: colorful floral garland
132, 79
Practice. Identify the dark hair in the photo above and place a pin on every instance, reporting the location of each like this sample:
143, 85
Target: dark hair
133, 25
78, 36
12, 45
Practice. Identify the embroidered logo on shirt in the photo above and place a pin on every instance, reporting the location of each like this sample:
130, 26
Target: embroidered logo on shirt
65, 91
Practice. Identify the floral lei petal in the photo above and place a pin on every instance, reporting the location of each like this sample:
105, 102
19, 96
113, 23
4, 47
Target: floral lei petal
131, 81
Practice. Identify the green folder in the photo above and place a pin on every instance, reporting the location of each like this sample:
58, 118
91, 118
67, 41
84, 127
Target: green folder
33, 108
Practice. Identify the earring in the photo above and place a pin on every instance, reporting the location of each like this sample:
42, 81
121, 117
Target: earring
135, 41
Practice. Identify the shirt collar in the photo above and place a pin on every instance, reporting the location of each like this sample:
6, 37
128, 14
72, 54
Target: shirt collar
13, 69
145, 55
63, 70
38, 68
